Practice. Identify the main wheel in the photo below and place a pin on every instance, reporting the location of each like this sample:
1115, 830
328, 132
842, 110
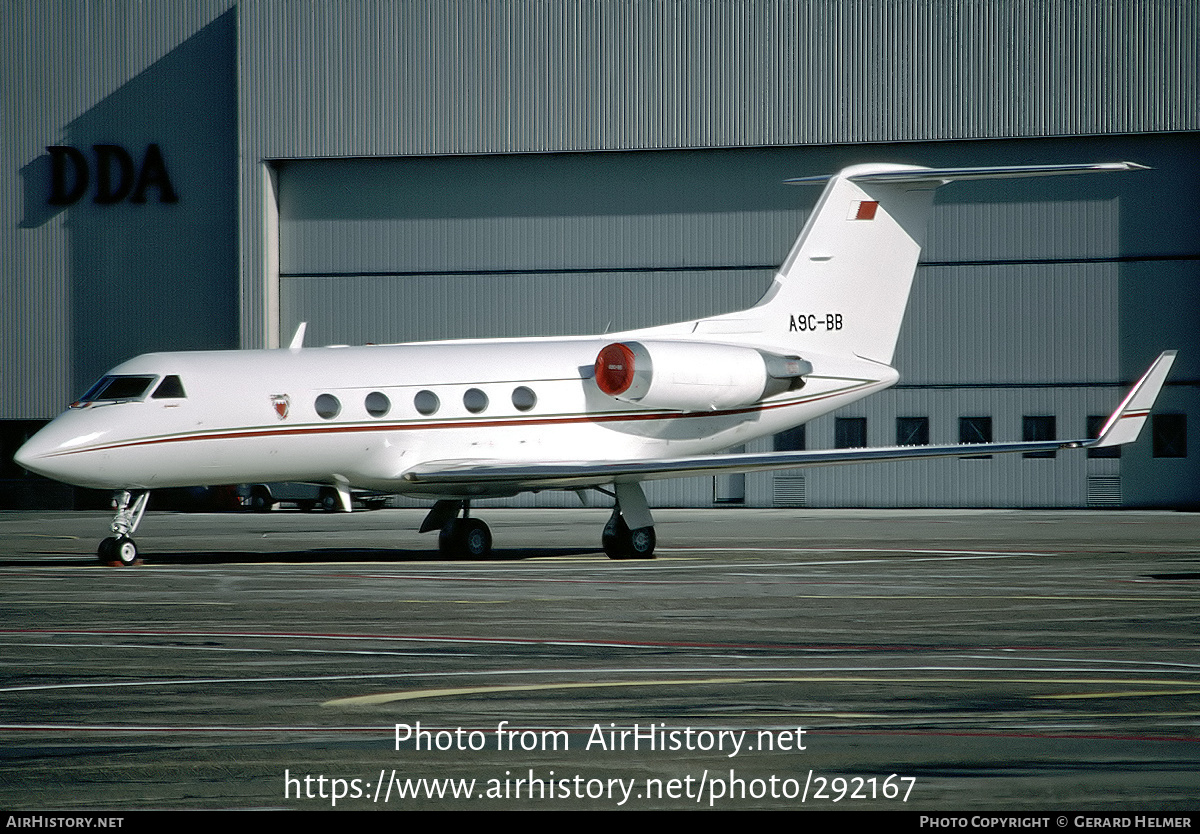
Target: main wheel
465, 538
476, 539
614, 535
620, 542
641, 543
329, 501
107, 551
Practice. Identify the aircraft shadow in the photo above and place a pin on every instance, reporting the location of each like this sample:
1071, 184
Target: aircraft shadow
325, 555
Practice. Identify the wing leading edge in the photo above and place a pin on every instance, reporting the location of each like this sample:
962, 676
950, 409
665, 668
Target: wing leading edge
481, 476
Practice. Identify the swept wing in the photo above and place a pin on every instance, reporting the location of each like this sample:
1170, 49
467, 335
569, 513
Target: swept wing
1123, 426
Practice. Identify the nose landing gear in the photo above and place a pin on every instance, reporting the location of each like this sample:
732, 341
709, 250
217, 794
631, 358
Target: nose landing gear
119, 549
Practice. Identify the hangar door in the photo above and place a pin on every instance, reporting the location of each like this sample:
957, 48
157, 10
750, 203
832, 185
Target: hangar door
410, 249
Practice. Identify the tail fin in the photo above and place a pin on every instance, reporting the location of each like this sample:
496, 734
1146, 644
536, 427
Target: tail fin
844, 286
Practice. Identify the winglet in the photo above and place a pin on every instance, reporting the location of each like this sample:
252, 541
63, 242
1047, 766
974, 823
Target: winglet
1126, 422
298, 339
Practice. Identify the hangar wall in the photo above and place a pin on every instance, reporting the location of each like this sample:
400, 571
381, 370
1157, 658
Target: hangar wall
93, 281
1015, 310
556, 164
445, 78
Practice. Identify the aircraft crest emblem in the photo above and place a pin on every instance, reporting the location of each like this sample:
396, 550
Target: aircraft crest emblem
282, 403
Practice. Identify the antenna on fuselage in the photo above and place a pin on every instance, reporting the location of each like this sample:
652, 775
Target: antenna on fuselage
298, 339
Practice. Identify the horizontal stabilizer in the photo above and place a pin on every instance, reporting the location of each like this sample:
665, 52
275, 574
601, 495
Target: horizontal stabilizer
943, 175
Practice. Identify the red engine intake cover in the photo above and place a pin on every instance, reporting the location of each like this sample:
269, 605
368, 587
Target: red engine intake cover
614, 369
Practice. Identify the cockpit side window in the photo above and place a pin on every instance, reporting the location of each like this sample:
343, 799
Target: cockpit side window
115, 387
171, 388
95, 389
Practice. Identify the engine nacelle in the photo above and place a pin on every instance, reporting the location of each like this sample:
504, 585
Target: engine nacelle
695, 376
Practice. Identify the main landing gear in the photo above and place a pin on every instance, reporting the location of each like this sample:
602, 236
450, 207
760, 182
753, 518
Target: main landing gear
458, 538
119, 548
629, 533
620, 542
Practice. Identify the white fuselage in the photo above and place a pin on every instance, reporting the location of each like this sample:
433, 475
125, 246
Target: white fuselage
252, 416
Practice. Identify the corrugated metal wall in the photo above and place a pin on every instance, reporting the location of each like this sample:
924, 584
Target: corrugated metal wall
1001, 481
443, 76
1016, 309
87, 285
433, 78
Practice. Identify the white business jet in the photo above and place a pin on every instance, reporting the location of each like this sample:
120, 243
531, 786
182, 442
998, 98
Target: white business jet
460, 420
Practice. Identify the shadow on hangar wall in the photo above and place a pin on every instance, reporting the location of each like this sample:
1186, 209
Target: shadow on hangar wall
155, 275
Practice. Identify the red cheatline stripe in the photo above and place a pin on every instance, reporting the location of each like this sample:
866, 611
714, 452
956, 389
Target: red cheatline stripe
618, 417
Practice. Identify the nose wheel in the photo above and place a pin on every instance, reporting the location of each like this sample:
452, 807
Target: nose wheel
119, 549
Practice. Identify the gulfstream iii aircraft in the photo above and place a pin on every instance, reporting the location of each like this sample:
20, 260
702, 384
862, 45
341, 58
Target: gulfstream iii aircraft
461, 420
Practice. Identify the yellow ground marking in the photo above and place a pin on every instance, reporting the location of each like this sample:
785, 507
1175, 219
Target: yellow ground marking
121, 603
418, 694
1136, 694
454, 601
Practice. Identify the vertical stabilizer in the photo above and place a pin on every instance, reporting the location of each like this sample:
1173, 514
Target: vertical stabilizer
844, 286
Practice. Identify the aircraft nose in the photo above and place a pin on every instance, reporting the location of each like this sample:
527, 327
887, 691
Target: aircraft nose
65, 449
44, 453
32, 455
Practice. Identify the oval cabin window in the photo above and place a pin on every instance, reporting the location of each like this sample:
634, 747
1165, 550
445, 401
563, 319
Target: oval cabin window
426, 402
377, 404
328, 406
475, 400
523, 398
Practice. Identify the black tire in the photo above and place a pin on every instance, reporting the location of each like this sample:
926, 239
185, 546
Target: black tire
613, 539
465, 538
448, 539
107, 551
619, 542
329, 501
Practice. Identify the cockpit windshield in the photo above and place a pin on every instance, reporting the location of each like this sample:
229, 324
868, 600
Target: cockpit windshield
118, 388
